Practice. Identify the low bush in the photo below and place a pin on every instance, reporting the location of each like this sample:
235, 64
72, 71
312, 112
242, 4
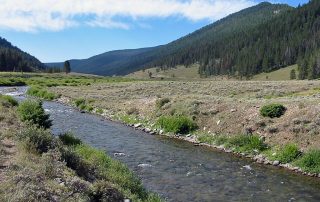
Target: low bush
40, 92
69, 139
177, 124
32, 112
246, 143
161, 102
105, 191
288, 153
310, 161
273, 110
79, 102
8, 101
39, 139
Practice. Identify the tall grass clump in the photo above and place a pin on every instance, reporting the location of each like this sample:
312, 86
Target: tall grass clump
32, 112
310, 161
273, 110
8, 101
288, 153
40, 92
113, 170
83, 104
161, 102
177, 124
246, 143
69, 139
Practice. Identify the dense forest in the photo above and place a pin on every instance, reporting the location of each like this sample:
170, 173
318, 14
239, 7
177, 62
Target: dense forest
254, 45
14, 59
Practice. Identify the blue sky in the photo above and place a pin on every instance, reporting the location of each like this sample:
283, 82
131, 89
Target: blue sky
80, 28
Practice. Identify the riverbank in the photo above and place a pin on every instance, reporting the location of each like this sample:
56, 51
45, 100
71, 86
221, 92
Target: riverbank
217, 115
148, 127
35, 165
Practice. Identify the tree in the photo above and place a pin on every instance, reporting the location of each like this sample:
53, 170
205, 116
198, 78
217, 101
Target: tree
293, 75
67, 67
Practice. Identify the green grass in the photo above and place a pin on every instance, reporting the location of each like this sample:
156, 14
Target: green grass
310, 161
41, 92
286, 154
246, 143
83, 104
177, 124
8, 100
282, 74
12, 82
116, 172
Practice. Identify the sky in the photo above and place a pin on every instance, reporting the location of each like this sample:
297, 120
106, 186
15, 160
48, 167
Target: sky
59, 30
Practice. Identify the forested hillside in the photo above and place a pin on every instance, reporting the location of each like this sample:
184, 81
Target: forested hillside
14, 59
262, 38
291, 37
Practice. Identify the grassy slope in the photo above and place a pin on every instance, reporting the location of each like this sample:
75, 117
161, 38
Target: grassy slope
181, 72
278, 75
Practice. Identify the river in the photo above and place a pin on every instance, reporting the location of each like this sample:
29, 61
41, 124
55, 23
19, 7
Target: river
178, 170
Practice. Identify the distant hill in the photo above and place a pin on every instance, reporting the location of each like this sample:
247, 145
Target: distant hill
262, 38
14, 59
119, 62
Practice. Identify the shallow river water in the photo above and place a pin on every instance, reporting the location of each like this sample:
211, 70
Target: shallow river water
179, 171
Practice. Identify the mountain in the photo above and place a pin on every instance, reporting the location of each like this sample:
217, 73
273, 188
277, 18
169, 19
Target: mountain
14, 59
261, 38
118, 62
185, 51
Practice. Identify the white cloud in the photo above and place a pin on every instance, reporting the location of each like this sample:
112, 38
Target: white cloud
55, 15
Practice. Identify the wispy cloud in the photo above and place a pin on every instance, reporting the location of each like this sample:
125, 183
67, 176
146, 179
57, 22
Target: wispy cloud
55, 15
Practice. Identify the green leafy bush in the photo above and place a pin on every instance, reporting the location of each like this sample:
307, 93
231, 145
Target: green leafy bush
288, 153
37, 138
32, 112
246, 143
69, 139
310, 161
8, 101
161, 102
273, 110
177, 124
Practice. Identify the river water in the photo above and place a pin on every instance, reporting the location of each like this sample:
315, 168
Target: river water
178, 170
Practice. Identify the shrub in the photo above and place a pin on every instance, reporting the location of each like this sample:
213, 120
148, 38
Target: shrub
177, 124
36, 138
288, 153
247, 143
32, 112
104, 191
8, 101
273, 110
79, 102
310, 162
161, 102
69, 139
